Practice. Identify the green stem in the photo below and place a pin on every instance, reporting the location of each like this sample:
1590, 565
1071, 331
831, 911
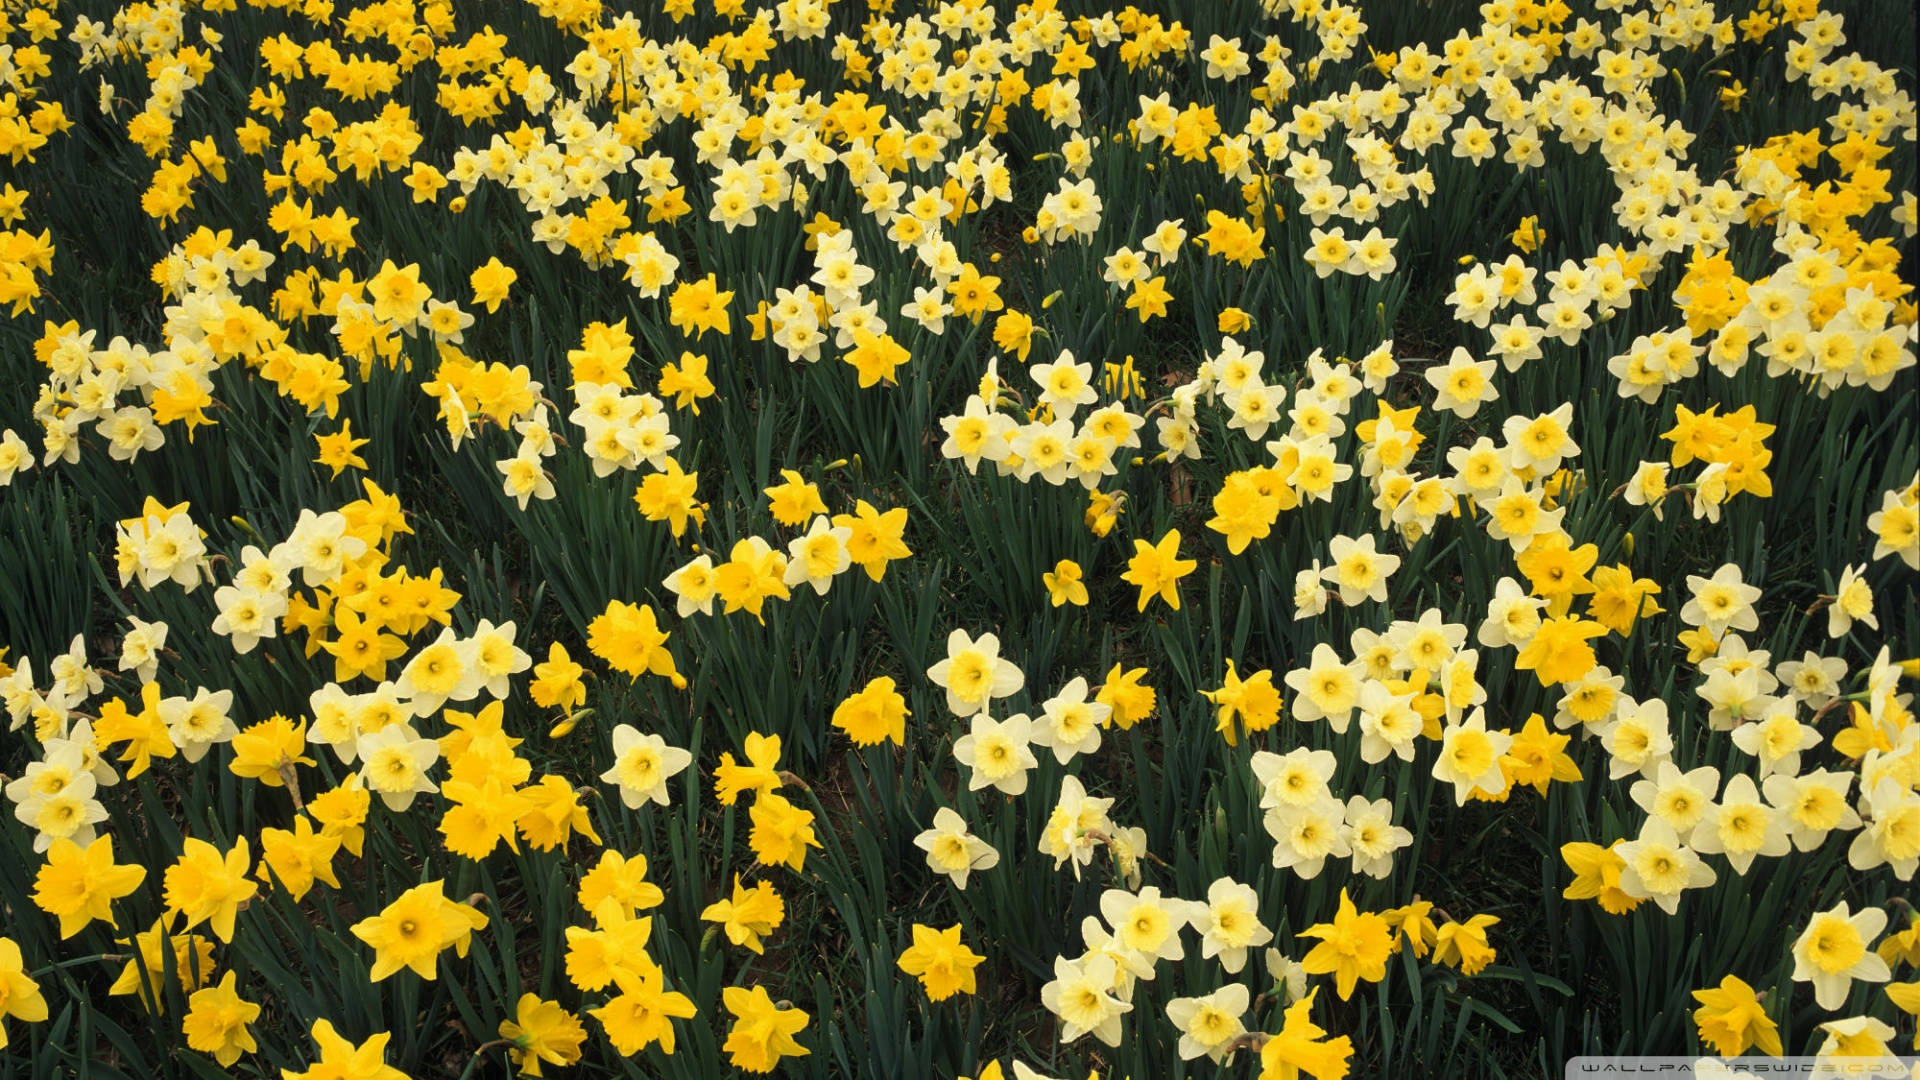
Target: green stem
74, 962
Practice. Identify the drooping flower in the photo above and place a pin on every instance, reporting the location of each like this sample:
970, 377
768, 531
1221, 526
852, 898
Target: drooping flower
1732, 1018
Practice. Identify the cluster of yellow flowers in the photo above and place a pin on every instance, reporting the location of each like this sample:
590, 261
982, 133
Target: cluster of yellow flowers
755, 572
1788, 254
25, 256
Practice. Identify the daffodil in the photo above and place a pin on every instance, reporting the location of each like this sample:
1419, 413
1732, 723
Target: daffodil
414, 929
1354, 946
1834, 950
1732, 1018
953, 850
642, 765
339, 1057
763, 1031
20, 996
973, 673
79, 883
1210, 1023
217, 1022
750, 915
942, 963
876, 714
1156, 569
542, 1033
